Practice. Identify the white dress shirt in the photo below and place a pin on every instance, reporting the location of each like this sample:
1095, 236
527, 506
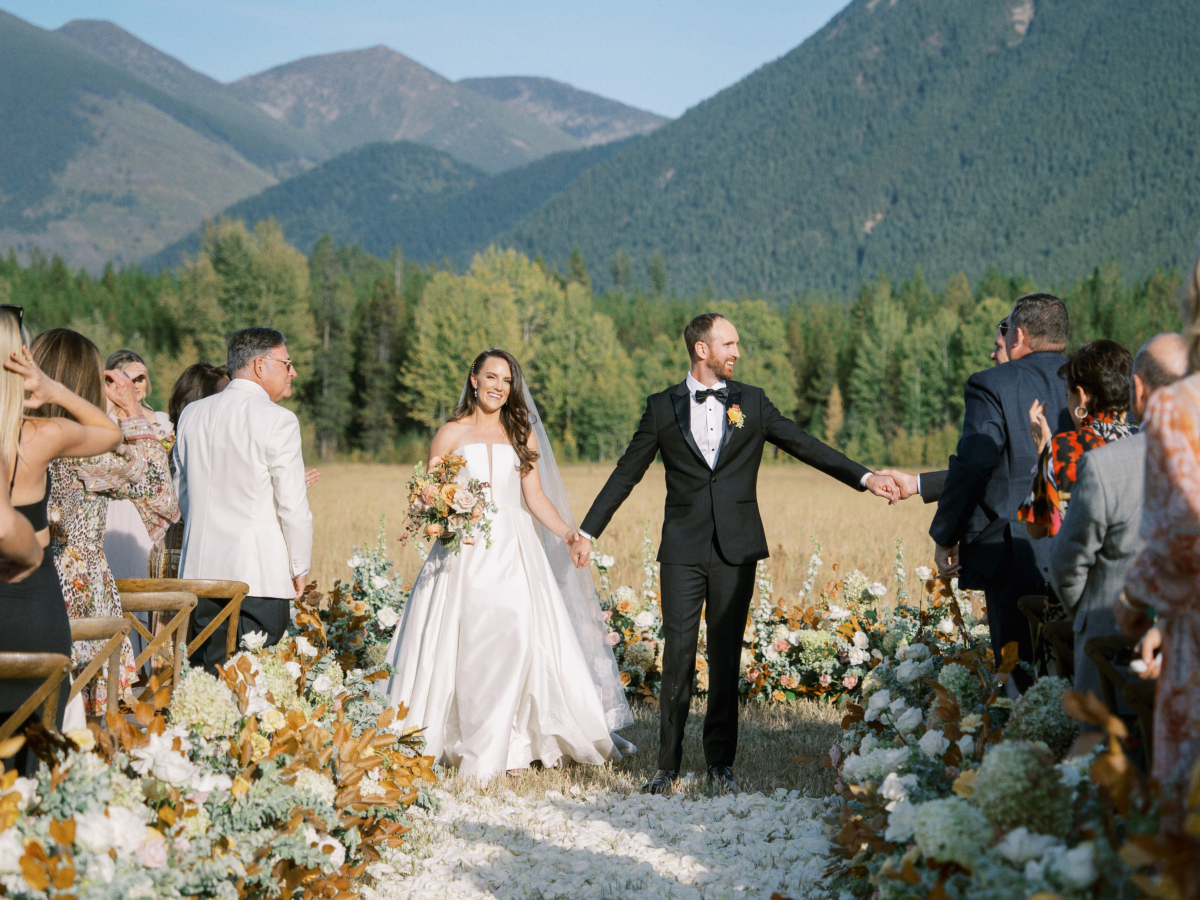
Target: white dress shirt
708, 420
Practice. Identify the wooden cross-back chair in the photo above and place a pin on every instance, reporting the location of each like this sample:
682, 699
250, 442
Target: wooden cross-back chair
212, 589
1058, 635
180, 604
112, 629
52, 668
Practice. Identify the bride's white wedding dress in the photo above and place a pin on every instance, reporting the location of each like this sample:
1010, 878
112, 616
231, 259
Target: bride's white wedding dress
486, 657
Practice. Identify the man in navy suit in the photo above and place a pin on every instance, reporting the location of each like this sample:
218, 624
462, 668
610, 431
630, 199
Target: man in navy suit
976, 530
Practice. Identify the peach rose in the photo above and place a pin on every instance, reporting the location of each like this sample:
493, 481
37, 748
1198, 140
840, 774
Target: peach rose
433, 530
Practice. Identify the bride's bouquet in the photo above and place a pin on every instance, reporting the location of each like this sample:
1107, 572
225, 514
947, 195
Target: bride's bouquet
447, 504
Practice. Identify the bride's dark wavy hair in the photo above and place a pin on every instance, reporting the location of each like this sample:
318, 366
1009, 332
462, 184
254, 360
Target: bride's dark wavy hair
514, 415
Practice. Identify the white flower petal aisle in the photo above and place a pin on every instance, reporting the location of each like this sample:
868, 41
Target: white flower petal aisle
610, 844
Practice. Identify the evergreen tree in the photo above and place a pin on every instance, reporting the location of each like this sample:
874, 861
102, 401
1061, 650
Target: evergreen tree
329, 392
656, 271
621, 270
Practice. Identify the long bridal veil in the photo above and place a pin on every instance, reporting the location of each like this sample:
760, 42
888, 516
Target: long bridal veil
575, 585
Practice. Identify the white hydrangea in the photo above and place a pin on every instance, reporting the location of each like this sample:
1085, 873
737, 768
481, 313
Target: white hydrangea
318, 784
202, 703
874, 765
900, 822
951, 830
1021, 846
11, 851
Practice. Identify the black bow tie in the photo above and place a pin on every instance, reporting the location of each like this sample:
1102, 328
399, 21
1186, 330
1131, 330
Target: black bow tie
720, 393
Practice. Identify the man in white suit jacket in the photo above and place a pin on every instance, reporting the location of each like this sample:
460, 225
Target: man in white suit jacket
239, 473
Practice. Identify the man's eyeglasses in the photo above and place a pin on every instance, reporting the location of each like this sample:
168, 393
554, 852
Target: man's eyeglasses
1003, 327
287, 362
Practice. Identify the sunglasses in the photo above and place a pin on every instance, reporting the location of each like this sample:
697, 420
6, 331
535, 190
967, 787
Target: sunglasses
19, 310
1003, 327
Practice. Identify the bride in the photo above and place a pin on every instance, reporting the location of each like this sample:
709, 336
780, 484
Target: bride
501, 653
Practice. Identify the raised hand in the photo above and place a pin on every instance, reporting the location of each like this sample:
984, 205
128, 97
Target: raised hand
882, 485
947, 561
1039, 428
581, 551
905, 482
40, 386
120, 392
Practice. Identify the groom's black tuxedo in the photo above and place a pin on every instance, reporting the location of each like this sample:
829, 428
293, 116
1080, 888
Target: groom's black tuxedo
712, 537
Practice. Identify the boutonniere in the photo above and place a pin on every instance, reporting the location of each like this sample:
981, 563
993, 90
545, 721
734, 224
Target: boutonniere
736, 417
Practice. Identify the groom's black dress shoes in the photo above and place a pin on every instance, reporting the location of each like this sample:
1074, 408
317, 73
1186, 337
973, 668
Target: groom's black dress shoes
720, 778
661, 782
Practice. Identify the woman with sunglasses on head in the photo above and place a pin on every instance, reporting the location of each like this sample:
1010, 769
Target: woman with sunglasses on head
127, 544
86, 479
34, 612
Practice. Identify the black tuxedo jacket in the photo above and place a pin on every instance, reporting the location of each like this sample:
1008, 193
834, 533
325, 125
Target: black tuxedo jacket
992, 470
703, 501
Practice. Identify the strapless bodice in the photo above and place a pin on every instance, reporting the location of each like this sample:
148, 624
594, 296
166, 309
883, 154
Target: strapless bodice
501, 470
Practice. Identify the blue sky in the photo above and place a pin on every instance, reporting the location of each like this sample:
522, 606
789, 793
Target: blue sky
662, 55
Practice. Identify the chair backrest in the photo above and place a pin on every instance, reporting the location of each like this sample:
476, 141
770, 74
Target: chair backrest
52, 668
98, 628
213, 589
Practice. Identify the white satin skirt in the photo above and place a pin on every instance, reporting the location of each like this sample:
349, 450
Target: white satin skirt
488, 663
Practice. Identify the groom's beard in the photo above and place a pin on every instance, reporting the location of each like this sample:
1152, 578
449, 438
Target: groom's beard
718, 369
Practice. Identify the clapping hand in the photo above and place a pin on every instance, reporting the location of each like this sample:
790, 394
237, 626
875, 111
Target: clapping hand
906, 483
882, 485
1039, 428
581, 550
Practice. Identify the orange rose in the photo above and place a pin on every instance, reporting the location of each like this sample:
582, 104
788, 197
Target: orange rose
433, 530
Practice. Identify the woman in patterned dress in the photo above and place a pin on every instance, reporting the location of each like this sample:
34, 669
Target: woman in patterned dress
1097, 376
1166, 576
136, 470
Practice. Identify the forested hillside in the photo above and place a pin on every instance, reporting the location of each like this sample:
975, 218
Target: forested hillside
1035, 137
407, 196
382, 344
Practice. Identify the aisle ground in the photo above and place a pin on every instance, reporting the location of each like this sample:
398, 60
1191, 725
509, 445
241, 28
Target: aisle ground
588, 832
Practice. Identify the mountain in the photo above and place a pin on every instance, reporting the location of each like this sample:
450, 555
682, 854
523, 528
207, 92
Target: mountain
591, 118
345, 100
99, 165
1041, 138
383, 196
259, 138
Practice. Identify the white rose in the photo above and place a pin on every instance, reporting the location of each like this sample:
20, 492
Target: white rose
462, 479
861, 640
354, 562
322, 684
379, 582
464, 501
907, 671
966, 745
895, 788
900, 822
877, 704
11, 851
337, 856
644, 619
254, 640
934, 743
207, 782
946, 626
293, 668
877, 589
94, 832
924, 573
1020, 846
1077, 867
909, 721
387, 617
101, 868
837, 612
858, 657
27, 788
128, 830
303, 646
915, 652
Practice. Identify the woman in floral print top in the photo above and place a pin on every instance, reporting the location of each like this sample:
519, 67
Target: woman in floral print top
136, 470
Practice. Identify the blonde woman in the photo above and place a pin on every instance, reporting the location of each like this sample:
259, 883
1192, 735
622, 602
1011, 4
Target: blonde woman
86, 478
34, 614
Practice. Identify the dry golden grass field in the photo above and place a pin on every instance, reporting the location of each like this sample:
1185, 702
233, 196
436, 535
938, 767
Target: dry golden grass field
855, 529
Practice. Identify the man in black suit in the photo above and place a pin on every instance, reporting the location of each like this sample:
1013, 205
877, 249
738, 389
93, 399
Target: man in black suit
976, 531
710, 431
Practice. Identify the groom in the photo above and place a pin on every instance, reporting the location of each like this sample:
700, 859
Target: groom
710, 431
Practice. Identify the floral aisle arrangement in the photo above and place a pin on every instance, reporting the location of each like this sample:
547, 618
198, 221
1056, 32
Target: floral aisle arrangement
821, 646
447, 505
952, 791
286, 777
370, 604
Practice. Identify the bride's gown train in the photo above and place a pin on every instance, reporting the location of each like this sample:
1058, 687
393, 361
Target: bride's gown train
486, 657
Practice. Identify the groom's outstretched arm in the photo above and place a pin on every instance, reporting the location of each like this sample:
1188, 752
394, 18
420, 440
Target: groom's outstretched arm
629, 471
794, 440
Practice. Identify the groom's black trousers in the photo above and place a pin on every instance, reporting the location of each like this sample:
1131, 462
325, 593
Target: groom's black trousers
723, 591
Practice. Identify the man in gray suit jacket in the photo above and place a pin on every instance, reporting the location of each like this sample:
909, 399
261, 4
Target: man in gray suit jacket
1100, 535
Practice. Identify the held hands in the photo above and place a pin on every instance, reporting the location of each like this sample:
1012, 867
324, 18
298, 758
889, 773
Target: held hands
1039, 428
906, 483
947, 561
581, 550
882, 485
